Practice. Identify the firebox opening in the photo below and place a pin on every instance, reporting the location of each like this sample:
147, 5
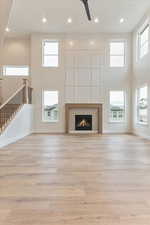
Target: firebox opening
83, 122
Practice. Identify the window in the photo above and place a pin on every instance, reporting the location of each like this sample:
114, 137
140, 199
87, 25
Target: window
15, 70
50, 106
50, 53
117, 54
144, 41
142, 105
117, 106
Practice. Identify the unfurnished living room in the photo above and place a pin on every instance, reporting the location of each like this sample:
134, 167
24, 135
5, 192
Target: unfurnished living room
74, 112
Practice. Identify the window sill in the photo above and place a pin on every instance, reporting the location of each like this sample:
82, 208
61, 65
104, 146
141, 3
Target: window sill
117, 122
52, 67
142, 123
15, 76
50, 121
117, 67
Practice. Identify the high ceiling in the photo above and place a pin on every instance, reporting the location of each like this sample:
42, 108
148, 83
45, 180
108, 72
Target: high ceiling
26, 15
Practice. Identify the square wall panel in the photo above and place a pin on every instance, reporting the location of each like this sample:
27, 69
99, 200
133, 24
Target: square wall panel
95, 94
96, 77
70, 94
82, 77
70, 59
70, 77
96, 60
83, 94
83, 59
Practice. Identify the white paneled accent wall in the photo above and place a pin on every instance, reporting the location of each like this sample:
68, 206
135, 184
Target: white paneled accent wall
83, 83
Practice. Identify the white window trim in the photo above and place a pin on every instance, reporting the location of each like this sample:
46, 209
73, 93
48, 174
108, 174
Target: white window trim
54, 41
125, 107
125, 53
137, 97
15, 66
138, 46
49, 121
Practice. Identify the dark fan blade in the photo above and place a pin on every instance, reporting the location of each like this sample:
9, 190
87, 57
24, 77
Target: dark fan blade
85, 2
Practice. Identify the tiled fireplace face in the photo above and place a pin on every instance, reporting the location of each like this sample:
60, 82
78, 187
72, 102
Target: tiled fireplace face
87, 112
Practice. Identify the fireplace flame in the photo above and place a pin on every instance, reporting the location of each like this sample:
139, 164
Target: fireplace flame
83, 123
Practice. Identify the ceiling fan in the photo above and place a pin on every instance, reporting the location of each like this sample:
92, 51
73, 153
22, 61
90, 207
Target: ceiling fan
86, 5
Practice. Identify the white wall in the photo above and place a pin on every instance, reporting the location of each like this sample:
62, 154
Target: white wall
15, 52
141, 76
19, 127
57, 78
5, 9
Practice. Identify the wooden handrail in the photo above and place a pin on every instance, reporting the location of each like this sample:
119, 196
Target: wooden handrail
10, 98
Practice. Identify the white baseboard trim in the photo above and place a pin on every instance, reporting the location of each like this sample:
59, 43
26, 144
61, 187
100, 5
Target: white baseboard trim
141, 135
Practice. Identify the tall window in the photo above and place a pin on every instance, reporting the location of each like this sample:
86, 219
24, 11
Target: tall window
15, 70
142, 105
117, 54
117, 106
144, 41
50, 106
50, 53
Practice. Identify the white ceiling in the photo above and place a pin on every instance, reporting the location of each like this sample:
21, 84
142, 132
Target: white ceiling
26, 15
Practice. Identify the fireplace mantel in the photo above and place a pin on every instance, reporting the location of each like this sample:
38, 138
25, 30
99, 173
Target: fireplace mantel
70, 106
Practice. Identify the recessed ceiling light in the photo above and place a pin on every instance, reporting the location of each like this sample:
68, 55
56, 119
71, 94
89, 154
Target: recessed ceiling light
44, 20
69, 20
96, 20
92, 42
71, 43
121, 20
7, 29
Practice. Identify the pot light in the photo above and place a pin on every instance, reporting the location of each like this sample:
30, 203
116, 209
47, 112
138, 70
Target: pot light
96, 20
71, 43
44, 20
7, 29
69, 20
92, 42
121, 20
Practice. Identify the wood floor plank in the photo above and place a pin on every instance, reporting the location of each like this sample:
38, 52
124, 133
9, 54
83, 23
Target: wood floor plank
75, 180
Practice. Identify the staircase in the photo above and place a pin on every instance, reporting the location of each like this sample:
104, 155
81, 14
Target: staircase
9, 109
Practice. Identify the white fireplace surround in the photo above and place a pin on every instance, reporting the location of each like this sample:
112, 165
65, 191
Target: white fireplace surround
71, 110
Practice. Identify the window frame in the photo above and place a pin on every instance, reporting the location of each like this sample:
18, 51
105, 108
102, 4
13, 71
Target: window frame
139, 33
137, 100
43, 55
124, 56
49, 121
4, 67
125, 105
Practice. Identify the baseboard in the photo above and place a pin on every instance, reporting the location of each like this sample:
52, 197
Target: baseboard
141, 135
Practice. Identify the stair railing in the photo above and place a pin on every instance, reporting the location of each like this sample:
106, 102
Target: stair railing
9, 108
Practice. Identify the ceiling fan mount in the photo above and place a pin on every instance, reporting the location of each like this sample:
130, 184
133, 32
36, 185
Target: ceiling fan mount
86, 5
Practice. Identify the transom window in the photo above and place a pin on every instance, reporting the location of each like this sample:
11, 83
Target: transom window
144, 41
50, 106
117, 106
117, 54
15, 70
50, 53
142, 105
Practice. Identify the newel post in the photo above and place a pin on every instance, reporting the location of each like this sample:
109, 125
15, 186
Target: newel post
26, 91
1, 93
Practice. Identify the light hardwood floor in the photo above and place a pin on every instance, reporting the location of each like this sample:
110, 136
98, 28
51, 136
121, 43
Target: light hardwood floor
75, 180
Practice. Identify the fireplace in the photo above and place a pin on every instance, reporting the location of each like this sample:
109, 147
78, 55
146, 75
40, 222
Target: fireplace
83, 122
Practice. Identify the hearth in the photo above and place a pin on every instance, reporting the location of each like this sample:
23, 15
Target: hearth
83, 122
